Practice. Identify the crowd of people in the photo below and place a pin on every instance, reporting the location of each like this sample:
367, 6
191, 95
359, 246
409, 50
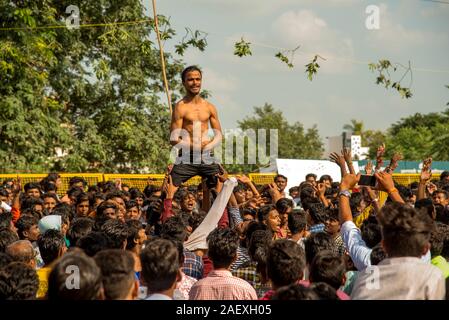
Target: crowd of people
231, 240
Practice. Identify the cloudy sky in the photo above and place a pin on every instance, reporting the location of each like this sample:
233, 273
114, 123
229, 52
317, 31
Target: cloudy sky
410, 30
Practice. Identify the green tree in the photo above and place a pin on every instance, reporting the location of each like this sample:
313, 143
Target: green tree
92, 93
294, 141
355, 128
373, 139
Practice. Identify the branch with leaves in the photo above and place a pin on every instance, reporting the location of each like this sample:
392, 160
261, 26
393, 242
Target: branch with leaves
384, 77
313, 66
242, 48
197, 39
282, 56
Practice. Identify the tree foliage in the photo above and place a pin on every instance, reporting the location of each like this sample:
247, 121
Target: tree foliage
91, 93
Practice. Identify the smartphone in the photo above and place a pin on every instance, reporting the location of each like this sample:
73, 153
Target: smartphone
366, 180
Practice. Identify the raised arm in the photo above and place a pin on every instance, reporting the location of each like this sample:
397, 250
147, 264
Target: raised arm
348, 158
426, 175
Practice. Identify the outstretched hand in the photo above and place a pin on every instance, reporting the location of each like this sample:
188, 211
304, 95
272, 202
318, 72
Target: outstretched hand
426, 171
384, 181
349, 181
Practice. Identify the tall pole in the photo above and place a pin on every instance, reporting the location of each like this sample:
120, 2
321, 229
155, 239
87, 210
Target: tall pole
161, 51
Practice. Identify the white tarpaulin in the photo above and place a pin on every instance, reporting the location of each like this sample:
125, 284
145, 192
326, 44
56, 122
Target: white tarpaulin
296, 170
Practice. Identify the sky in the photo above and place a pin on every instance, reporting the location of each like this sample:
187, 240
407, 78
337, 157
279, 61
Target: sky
344, 88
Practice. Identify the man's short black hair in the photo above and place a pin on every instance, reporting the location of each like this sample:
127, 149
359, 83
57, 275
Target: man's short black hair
77, 179
317, 212
324, 291
405, 231
5, 259
189, 69
444, 175
377, 255
297, 221
32, 185
134, 227
93, 242
222, 244
18, 282
283, 204
174, 229
117, 233
117, 272
328, 267
5, 220
325, 177
79, 228
50, 244
370, 231
87, 285
426, 205
7, 236
317, 242
264, 212
295, 292
437, 239
285, 262
280, 176
24, 224
160, 264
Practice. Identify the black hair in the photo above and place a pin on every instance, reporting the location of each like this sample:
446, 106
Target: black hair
50, 244
32, 185
50, 195
47, 186
136, 193
160, 264
311, 175
426, 205
134, 226
117, 233
285, 262
324, 291
189, 69
88, 282
5, 259
103, 206
377, 255
222, 244
283, 204
264, 212
5, 220
280, 176
297, 221
30, 202
317, 212
295, 292
74, 192
355, 201
82, 197
370, 231
325, 177
328, 267
78, 229
258, 250
405, 231
444, 175
93, 242
131, 204
437, 238
315, 243
117, 272
18, 282
77, 179
7, 236
93, 198
24, 224
174, 229
252, 227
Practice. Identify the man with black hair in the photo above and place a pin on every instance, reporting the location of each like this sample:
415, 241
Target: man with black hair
107, 209
317, 216
51, 247
270, 216
27, 228
297, 224
18, 281
295, 292
117, 233
32, 189
192, 115
220, 284
50, 202
285, 265
75, 277
284, 206
78, 229
93, 242
117, 273
311, 177
330, 268
7, 236
160, 269
332, 227
437, 238
444, 176
315, 243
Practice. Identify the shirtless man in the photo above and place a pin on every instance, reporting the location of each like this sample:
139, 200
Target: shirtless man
189, 130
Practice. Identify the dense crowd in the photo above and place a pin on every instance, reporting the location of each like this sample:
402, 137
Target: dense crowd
227, 239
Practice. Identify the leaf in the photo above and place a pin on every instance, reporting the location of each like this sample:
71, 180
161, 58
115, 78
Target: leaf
242, 48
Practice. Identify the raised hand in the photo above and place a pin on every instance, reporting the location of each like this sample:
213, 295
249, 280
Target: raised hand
369, 168
347, 155
349, 181
169, 188
340, 161
426, 171
384, 181
397, 156
379, 156
243, 179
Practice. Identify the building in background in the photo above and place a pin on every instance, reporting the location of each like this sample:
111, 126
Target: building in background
346, 140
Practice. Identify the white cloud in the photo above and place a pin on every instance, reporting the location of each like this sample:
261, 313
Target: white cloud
216, 82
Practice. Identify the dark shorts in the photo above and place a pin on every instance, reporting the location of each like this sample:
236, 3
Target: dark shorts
182, 172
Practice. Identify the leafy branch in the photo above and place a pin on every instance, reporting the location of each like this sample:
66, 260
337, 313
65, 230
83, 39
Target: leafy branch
197, 40
384, 78
282, 55
312, 67
242, 48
